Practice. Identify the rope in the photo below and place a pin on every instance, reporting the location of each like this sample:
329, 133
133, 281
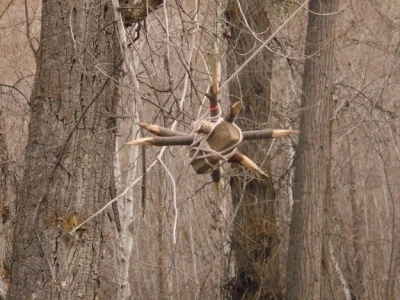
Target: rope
201, 146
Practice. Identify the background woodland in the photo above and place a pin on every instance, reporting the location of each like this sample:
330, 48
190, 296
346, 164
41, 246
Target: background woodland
73, 84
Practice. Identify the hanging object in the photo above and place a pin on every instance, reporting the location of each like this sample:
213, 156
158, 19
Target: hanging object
213, 140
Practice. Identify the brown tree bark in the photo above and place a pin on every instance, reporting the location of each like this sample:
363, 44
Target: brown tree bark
254, 238
69, 156
359, 233
311, 186
4, 182
8, 191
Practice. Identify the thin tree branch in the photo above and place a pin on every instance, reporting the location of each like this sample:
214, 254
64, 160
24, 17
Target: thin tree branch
28, 31
15, 88
7, 7
262, 46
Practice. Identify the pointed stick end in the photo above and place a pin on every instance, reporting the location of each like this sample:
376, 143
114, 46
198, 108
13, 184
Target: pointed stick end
249, 164
282, 132
234, 111
235, 108
141, 141
155, 129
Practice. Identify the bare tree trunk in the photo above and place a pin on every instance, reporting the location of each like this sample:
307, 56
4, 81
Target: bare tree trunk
254, 239
160, 214
7, 198
311, 186
392, 278
69, 157
329, 264
4, 173
359, 234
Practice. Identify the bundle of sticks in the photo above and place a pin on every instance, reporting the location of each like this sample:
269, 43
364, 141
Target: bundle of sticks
219, 137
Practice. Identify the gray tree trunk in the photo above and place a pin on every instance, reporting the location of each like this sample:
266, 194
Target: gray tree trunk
8, 191
69, 157
4, 182
254, 239
311, 186
359, 232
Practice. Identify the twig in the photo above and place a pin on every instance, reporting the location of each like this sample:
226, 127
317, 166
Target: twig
262, 46
7, 7
143, 178
49, 264
174, 199
28, 31
15, 88
110, 202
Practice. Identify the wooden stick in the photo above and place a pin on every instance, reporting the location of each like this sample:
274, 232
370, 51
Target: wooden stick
247, 135
216, 177
212, 93
246, 162
234, 111
267, 134
181, 140
160, 131
186, 140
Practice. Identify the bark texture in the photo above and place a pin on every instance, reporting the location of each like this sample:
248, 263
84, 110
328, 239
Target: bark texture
255, 238
69, 156
311, 186
4, 182
8, 191
359, 233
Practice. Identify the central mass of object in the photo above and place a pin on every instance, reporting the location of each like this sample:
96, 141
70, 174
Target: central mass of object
224, 136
